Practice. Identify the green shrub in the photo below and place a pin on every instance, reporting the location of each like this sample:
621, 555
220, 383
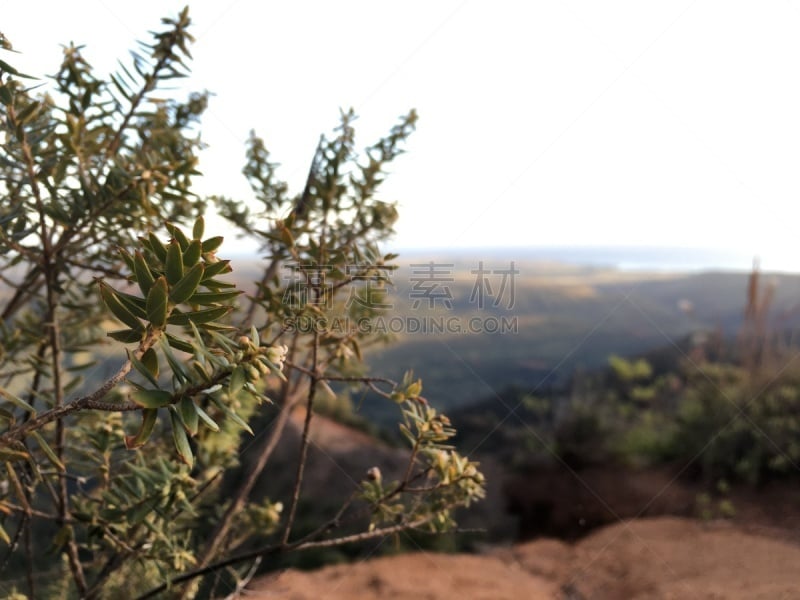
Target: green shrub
133, 370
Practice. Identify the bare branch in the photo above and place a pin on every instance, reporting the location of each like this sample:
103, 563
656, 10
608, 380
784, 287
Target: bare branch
220, 534
276, 549
312, 388
91, 402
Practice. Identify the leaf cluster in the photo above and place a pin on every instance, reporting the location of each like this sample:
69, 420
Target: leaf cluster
133, 372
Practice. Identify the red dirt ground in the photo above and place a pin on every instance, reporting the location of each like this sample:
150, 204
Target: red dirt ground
659, 558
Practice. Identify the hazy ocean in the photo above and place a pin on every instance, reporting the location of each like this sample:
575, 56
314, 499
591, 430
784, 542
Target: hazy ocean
626, 258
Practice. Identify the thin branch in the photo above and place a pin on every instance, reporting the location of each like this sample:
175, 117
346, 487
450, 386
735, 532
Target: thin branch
412, 459
28, 253
269, 273
331, 523
150, 81
108, 272
220, 534
50, 272
91, 402
24, 290
436, 486
244, 581
12, 547
336, 520
276, 549
352, 379
377, 390
312, 388
33, 513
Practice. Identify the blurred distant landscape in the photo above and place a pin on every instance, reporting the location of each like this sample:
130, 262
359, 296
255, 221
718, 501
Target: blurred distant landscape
547, 390
631, 385
571, 309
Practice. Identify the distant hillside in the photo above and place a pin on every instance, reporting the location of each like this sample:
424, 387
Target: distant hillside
567, 318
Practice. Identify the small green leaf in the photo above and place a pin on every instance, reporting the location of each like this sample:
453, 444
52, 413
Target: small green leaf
180, 344
6, 97
150, 360
157, 306
199, 228
27, 113
198, 317
212, 243
11, 455
4, 536
189, 415
179, 436
232, 415
286, 237
18, 402
138, 512
177, 367
121, 87
142, 368
144, 277
356, 349
126, 256
209, 298
187, 286
237, 380
157, 246
217, 268
215, 284
211, 326
22, 496
192, 254
118, 309
4, 66
126, 336
210, 423
136, 305
152, 398
48, 451
223, 342
173, 265
201, 370
178, 235
149, 418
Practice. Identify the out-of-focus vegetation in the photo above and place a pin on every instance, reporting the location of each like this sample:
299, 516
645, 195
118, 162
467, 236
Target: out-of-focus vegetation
719, 409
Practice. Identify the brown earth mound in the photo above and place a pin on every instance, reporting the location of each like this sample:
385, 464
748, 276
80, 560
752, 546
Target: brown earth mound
660, 558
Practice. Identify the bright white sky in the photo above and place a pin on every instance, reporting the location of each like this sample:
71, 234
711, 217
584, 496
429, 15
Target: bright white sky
673, 123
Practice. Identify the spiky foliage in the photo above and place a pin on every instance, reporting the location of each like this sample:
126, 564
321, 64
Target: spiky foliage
130, 367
